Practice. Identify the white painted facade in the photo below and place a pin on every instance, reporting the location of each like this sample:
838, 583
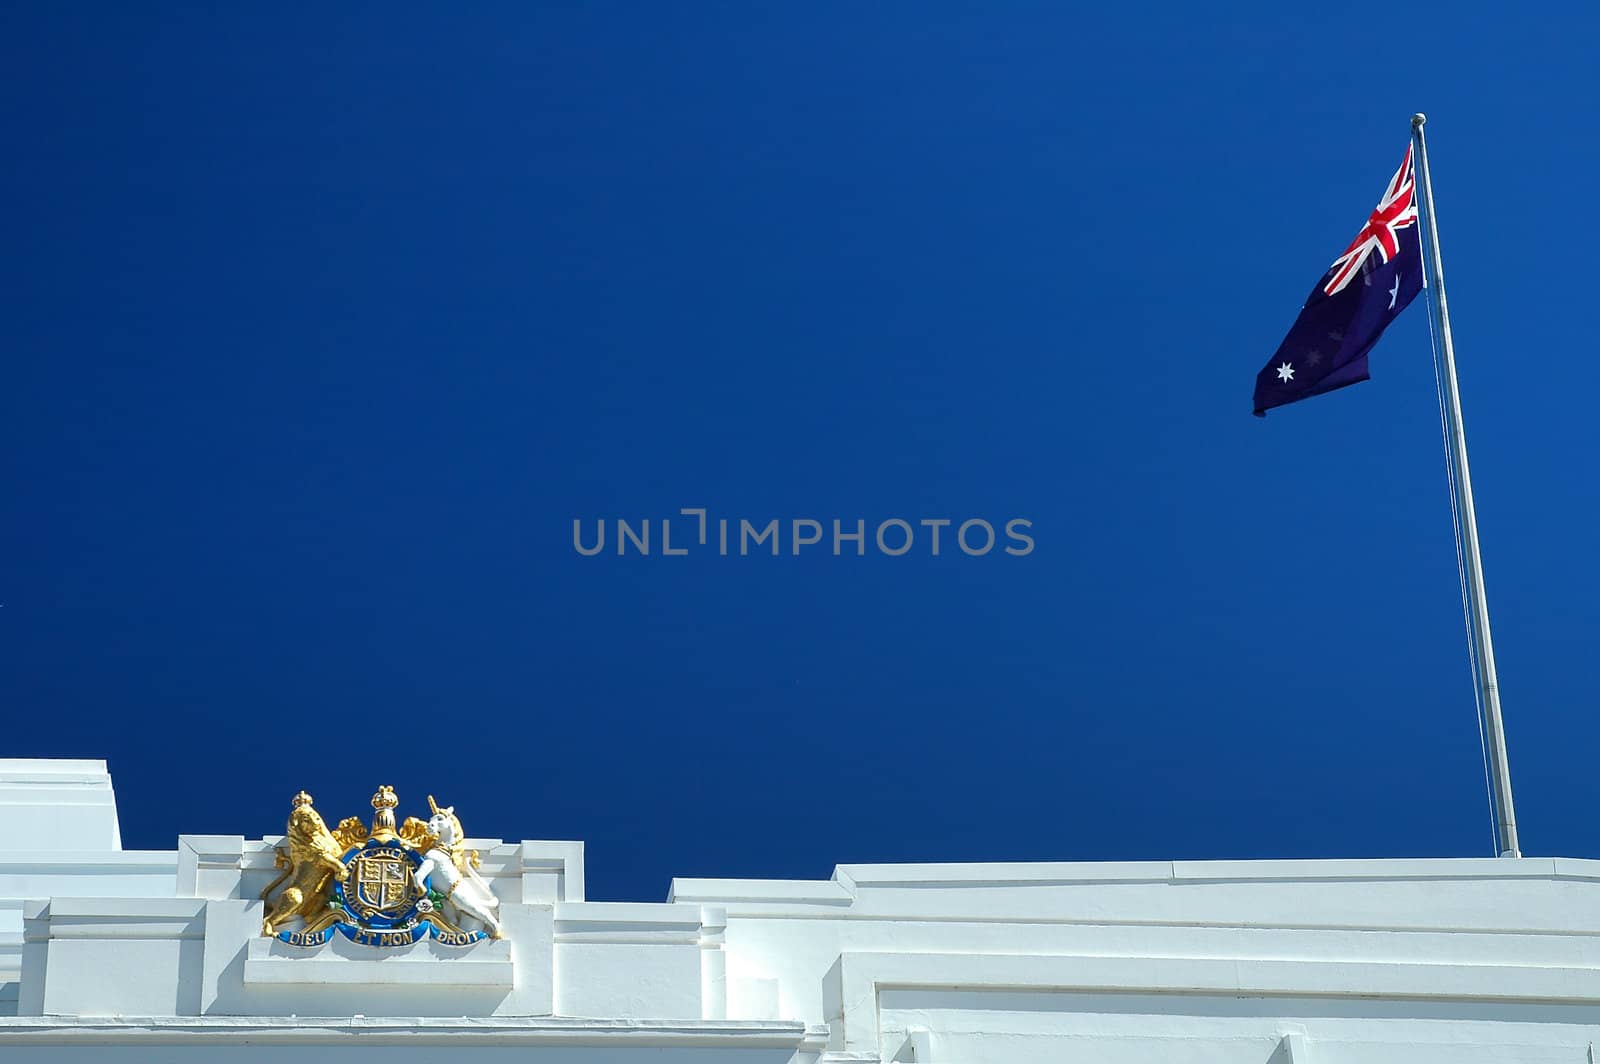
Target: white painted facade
107, 954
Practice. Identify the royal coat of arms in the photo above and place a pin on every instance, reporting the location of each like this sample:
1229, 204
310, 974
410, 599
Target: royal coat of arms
381, 886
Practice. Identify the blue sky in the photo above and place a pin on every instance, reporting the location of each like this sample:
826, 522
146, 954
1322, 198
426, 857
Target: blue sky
321, 328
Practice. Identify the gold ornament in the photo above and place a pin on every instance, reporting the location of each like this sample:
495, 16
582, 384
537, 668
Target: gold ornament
383, 804
385, 899
310, 865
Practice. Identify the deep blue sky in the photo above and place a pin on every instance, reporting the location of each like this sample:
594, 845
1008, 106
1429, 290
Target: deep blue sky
319, 330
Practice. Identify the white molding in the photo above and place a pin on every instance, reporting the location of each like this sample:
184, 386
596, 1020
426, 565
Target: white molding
338, 962
409, 1031
854, 986
787, 891
1051, 873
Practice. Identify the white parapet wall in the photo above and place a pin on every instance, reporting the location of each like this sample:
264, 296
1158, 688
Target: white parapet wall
1350, 961
57, 805
160, 957
59, 836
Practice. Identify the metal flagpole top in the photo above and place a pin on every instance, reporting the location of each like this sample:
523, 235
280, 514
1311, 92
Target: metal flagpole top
1418, 119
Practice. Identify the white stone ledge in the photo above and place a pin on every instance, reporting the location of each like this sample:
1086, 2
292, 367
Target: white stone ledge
628, 938
855, 988
513, 1031
791, 891
620, 917
155, 908
52, 766
1488, 868
1095, 916
52, 772
1007, 873
740, 913
839, 892
1047, 873
114, 918
1575, 868
342, 963
87, 862
869, 973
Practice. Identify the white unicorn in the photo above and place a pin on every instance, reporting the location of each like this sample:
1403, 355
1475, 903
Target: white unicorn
451, 867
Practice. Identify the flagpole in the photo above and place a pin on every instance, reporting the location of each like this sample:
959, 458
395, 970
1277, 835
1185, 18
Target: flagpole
1472, 562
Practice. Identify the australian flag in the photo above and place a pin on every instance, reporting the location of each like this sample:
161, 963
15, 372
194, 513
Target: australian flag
1378, 275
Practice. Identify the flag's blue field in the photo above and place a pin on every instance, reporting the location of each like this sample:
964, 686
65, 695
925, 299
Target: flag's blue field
320, 328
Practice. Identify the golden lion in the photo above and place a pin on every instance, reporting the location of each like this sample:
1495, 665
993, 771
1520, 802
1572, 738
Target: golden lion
311, 866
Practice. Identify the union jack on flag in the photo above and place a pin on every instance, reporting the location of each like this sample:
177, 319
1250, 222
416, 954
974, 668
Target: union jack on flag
1326, 347
1395, 211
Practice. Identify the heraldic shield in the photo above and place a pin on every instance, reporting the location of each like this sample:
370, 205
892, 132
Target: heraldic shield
379, 887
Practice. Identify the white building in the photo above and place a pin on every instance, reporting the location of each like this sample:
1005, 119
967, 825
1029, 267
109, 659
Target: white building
108, 954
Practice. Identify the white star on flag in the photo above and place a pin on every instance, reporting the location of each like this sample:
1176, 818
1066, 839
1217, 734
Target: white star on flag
1286, 372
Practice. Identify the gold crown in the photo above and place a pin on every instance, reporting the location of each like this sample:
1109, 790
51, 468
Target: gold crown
385, 798
301, 799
